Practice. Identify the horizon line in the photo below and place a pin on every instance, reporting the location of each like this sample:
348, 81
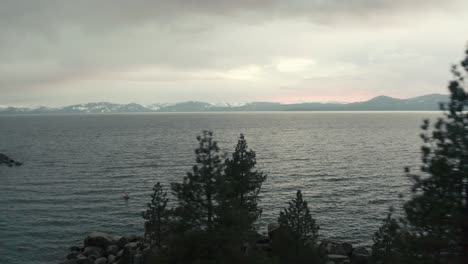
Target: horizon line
215, 103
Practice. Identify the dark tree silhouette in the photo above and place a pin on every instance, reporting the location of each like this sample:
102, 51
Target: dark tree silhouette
389, 242
295, 240
241, 185
434, 228
298, 220
157, 217
438, 209
197, 194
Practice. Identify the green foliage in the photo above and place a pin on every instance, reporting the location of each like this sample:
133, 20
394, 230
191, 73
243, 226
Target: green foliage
298, 221
435, 224
157, 217
287, 249
240, 188
197, 194
216, 246
388, 246
295, 240
438, 210
212, 225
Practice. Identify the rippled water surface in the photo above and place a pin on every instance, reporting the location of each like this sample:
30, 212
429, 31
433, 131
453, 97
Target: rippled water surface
77, 167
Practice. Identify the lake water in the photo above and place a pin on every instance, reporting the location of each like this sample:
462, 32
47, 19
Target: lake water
349, 166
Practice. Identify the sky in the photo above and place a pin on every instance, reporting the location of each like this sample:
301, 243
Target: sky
62, 52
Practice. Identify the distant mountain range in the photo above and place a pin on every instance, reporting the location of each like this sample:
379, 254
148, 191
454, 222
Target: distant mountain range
380, 103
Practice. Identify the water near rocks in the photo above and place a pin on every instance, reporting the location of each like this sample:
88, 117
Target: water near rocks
76, 169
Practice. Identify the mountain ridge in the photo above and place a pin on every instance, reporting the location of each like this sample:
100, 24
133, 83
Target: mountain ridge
429, 102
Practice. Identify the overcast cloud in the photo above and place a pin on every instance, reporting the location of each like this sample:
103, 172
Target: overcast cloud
59, 52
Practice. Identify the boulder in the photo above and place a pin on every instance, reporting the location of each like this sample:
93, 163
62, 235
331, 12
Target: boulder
101, 260
82, 260
112, 250
120, 253
99, 239
95, 252
122, 241
91, 259
360, 255
132, 245
111, 259
132, 238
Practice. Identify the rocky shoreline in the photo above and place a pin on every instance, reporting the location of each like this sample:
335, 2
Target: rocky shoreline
104, 248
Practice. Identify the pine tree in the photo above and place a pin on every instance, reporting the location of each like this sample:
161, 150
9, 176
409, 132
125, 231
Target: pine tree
295, 240
198, 193
157, 217
434, 228
438, 209
298, 220
240, 187
389, 241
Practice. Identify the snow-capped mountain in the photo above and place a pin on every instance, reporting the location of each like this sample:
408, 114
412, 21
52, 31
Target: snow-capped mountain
157, 106
104, 107
379, 103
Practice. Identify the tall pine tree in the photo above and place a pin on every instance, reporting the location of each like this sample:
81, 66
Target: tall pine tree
157, 217
295, 240
438, 210
198, 193
240, 188
434, 228
297, 220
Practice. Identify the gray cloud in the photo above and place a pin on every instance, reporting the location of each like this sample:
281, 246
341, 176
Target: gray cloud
51, 15
172, 50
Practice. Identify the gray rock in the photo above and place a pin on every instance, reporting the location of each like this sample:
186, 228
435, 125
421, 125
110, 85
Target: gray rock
132, 238
95, 252
360, 255
99, 239
120, 254
111, 259
112, 250
92, 259
83, 260
122, 241
101, 260
132, 245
